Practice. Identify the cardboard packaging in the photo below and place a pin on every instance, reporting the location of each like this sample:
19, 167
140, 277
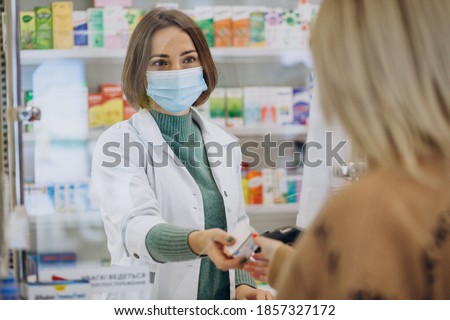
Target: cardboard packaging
234, 108
252, 106
257, 27
112, 103
62, 15
95, 27
222, 26
284, 105
204, 16
27, 30
241, 26
80, 29
96, 114
113, 26
217, 104
44, 29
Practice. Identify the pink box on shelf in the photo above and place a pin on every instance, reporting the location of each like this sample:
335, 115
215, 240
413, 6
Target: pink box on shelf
114, 27
113, 3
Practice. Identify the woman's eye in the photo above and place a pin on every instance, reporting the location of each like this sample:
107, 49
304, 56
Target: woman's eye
190, 60
159, 63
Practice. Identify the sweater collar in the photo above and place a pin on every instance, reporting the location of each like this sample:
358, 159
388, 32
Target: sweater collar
174, 127
146, 126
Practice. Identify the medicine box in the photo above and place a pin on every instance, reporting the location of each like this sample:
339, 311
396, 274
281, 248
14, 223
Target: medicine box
204, 16
222, 26
95, 27
257, 27
114, 27
241, 26
62, 15
244, 245
44, 29
113, 3
112, 103
96, 114
132, 17
80, 28
234, 108
283, 101
252, 106
27, 30
217, 106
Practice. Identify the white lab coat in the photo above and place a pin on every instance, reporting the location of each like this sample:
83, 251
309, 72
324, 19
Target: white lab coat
319, 182
135, 198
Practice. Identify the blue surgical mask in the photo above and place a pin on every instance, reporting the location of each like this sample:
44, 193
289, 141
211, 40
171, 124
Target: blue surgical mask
176, 90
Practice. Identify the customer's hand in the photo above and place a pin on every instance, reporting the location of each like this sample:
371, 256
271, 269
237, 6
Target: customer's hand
212, 242
258, 266
245, 292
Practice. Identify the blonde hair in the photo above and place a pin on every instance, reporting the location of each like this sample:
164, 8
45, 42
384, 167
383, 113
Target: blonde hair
383, 69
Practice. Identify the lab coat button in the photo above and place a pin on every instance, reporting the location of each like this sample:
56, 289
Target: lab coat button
136, 256
225, 193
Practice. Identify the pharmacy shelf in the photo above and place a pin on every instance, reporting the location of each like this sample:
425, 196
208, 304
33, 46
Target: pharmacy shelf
272, 210
68, 219
290, 131
34, 57
99, 55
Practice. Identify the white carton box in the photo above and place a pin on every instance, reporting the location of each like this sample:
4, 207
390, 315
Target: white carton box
59, 290
113, 26
268, 188
283, 97
244, 245
252, 106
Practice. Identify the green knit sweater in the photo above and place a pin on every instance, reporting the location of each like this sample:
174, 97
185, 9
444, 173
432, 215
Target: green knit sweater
168, 243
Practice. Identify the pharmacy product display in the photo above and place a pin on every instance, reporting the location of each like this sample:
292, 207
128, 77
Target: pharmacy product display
59, 26
58, 188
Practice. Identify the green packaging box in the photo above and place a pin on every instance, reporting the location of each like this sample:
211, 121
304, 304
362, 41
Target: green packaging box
234, 107
95, 28
204, 16
257, 29
27, 30
217, 106
44, 30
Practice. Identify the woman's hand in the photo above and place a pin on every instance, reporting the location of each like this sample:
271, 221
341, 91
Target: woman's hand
258, 267
212, 242
245, 292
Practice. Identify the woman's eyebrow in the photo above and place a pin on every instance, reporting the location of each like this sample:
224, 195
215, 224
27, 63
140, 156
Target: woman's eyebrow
187, 52
159, 55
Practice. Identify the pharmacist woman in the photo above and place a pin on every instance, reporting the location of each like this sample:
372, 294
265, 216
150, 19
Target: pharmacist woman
168, 180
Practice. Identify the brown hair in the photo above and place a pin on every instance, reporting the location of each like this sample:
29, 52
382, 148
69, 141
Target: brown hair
134, 79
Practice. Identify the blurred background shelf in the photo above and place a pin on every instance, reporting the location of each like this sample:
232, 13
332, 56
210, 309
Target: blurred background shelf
291, 131
91, 218
286, 55
274, 209
288, 131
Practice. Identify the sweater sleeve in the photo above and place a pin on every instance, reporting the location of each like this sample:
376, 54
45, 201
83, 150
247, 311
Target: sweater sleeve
243, 277
167, 243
